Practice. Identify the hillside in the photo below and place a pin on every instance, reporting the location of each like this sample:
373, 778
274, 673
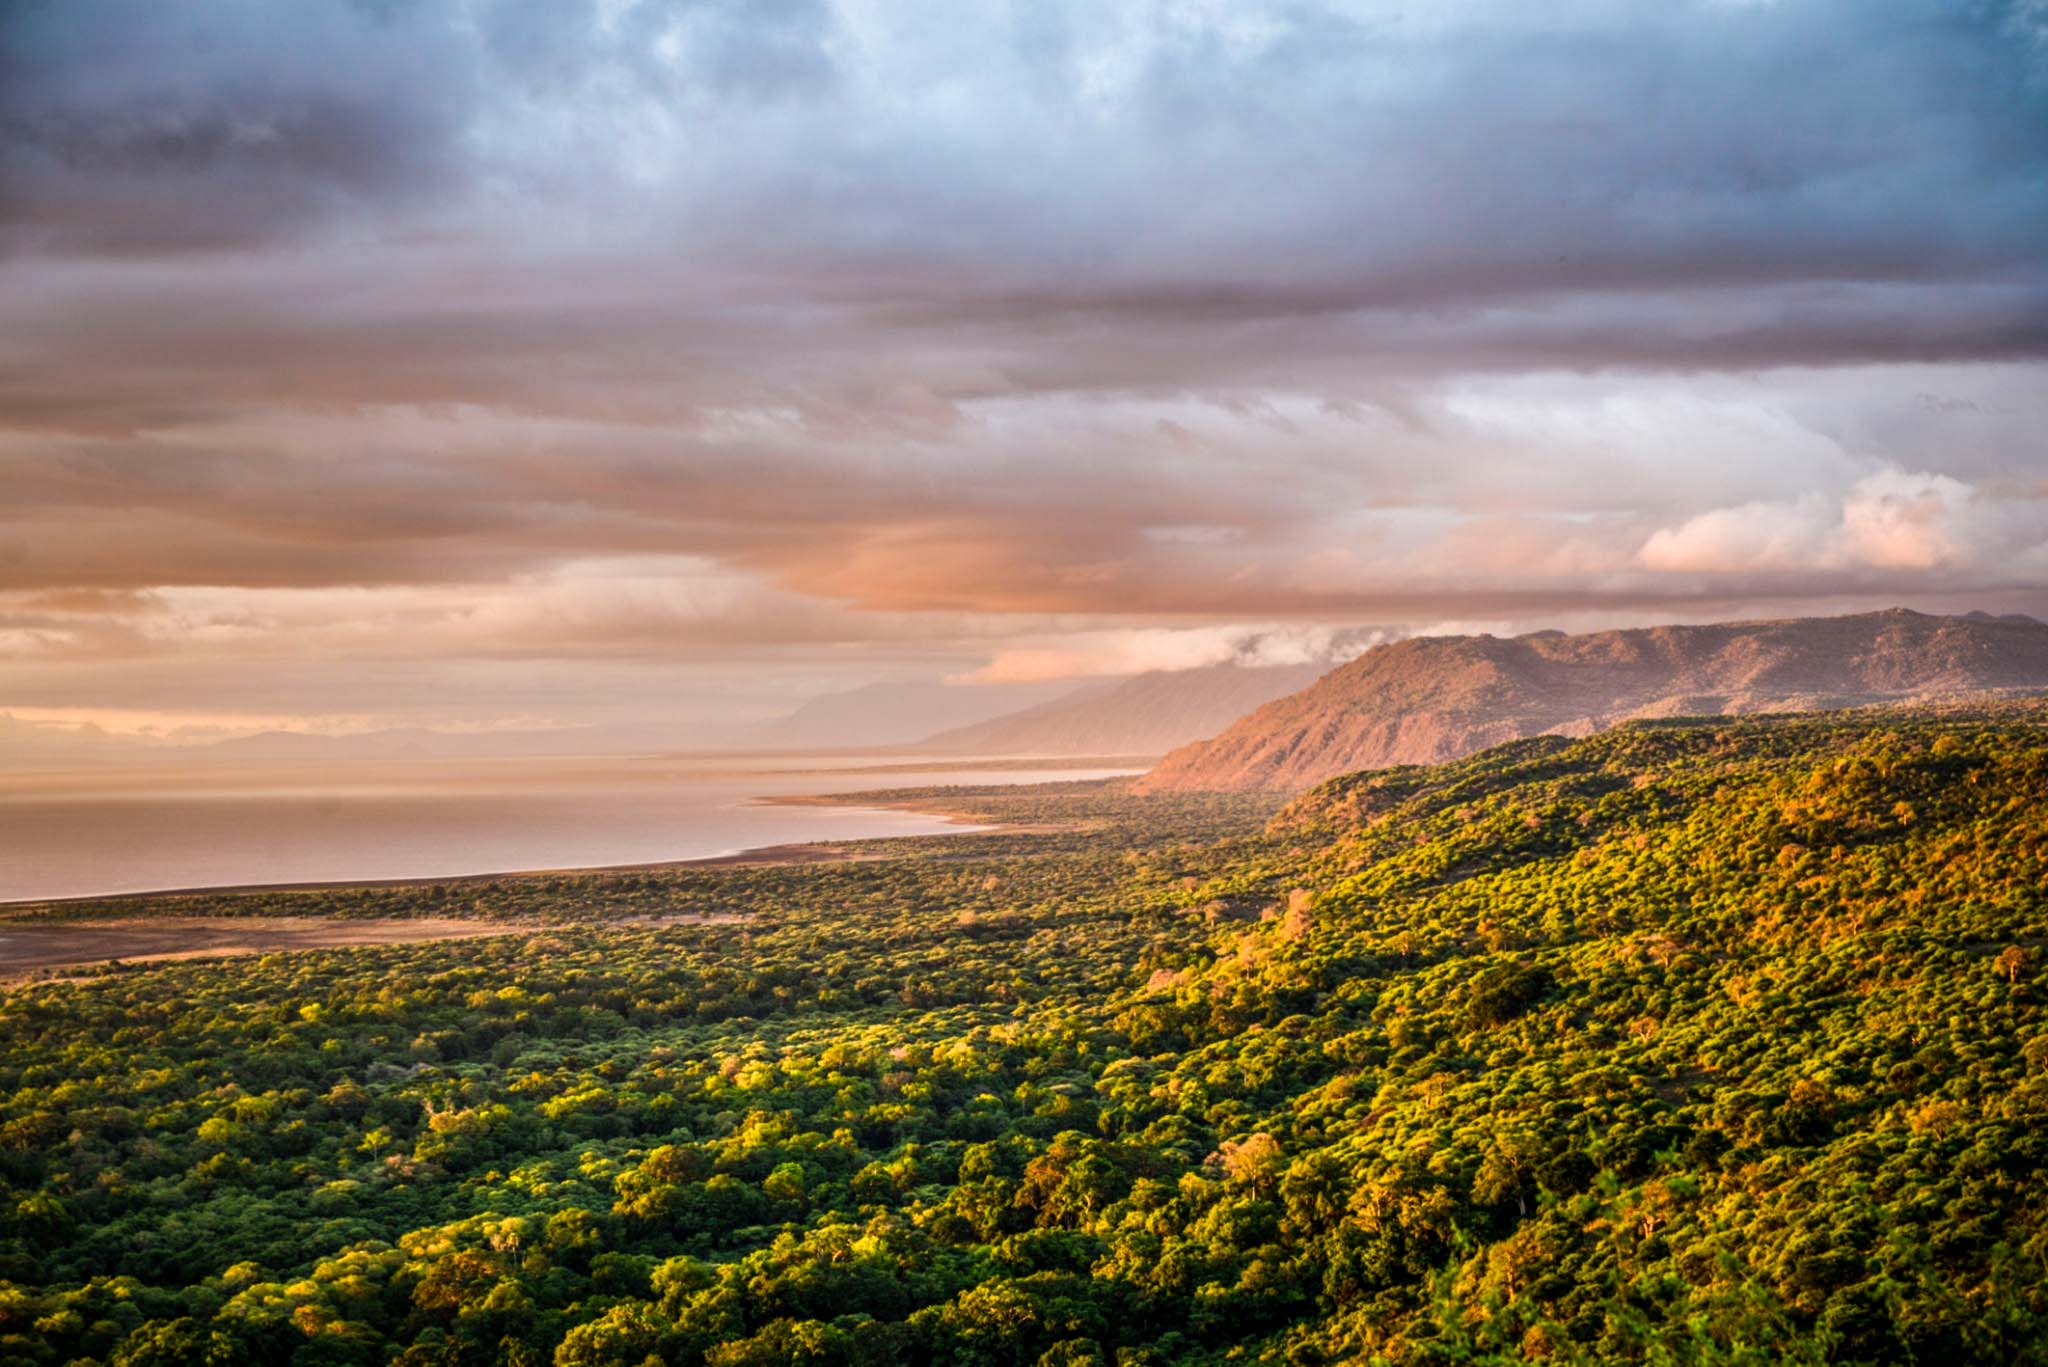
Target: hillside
1691, 1042
1147, 714
1429, 699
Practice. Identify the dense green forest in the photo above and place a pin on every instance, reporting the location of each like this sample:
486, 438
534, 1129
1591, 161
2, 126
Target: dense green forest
1693, 1042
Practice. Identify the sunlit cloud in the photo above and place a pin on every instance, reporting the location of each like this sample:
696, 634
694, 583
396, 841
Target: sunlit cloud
1889, 521
1140, 650
443, 342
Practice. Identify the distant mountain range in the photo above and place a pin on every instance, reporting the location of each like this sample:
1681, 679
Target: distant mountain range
898, 712
407, 742
36, 743
1238, 727
1141, 714
1429, 699
1145, 714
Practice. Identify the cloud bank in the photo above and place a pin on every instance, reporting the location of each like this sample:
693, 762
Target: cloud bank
642, 342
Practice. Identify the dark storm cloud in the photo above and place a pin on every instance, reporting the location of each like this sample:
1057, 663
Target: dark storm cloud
1190, 165
132, 126
139, 127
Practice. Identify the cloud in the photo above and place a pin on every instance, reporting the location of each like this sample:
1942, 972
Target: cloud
133, 127
1745, 539
1060, 338
1890, 520
1082, 169
1899, 521
609, 608
1141, 650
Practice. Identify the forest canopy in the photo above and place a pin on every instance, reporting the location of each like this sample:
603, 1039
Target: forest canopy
1690, 1042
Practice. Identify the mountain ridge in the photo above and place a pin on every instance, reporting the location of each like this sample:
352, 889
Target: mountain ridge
1430, 699
1143, 714
897, 713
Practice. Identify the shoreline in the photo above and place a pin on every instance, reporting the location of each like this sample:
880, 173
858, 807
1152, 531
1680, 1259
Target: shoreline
779, 855
920, 806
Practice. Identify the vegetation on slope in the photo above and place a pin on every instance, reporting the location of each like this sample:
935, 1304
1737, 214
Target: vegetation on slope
1435, 698
1685, 1043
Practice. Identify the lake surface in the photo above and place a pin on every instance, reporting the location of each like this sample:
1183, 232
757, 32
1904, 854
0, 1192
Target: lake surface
93, 832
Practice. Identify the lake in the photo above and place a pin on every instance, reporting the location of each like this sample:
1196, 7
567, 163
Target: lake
92, 832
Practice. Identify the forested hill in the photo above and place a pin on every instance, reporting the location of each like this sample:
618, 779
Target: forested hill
1692, 1042
1435, 698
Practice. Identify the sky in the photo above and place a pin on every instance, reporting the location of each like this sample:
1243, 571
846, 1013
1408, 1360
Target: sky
514, 364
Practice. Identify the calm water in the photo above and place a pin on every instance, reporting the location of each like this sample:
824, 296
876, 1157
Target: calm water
88, 833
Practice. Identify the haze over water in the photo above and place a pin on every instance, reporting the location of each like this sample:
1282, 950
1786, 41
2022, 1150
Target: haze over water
93, 832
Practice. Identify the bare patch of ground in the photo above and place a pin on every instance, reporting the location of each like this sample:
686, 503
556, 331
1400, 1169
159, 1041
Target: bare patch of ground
31, 949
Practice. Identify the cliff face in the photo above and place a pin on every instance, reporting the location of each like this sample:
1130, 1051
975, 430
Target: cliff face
1430, 699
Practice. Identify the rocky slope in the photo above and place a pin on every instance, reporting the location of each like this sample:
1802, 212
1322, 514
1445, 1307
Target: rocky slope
1431, 699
